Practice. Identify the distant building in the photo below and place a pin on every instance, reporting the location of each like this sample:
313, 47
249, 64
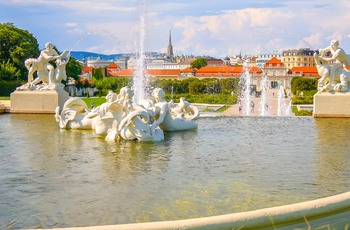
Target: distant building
186, 63
277, 74
302, 57
170, 52
308, 72
98, 63
162, 64
236, 60
219, 72
86, 73
112, 69
214, 62
263, 58
122, 62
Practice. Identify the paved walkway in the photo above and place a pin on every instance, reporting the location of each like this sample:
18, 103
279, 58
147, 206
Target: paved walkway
272, 101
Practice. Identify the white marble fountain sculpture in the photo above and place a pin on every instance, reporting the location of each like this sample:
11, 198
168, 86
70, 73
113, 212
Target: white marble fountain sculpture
333, 77
121, 118
48, 77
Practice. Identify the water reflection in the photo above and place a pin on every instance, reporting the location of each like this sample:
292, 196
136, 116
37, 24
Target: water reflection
333, 151
62, 178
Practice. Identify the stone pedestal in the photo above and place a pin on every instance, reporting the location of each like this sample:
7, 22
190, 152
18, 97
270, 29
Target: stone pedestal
38, 101
332, 104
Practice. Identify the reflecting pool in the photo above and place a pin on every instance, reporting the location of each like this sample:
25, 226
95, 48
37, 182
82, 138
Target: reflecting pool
63, 178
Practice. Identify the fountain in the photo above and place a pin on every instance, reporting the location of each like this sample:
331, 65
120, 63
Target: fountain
245, 82
140, 79
191, 179
130, 115
283, 107
264, 106
247, 100
44, 93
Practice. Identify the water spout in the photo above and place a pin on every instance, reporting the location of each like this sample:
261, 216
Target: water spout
263, 108
140, 79
283, 108
245, 82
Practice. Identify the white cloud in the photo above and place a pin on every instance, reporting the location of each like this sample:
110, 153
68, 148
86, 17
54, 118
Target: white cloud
221, 27
71, 24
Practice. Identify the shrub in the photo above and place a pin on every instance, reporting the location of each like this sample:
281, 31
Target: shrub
7, 87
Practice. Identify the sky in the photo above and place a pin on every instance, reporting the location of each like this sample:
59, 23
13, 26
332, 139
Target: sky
217, 28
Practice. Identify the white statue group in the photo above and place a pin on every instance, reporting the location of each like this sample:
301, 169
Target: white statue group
121, 118
48, 77
335, 76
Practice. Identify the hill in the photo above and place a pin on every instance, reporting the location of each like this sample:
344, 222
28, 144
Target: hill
79, 55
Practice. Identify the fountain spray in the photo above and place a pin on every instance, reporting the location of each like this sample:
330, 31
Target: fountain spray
140, 78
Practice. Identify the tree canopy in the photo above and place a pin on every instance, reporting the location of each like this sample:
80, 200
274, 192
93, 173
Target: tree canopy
16, 45
198, 63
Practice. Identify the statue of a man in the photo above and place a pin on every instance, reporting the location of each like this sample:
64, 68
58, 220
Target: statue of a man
42, 65
338, 58
46, 55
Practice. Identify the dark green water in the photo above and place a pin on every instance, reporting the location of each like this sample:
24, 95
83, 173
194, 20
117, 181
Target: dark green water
64, 178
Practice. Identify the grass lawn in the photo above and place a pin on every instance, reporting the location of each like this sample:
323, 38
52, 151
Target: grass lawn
5, 98
97, 100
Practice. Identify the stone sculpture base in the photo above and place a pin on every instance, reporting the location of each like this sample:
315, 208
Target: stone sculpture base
38, 101
332, 104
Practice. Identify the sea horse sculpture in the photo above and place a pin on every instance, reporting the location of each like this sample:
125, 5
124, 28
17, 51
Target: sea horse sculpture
170, 117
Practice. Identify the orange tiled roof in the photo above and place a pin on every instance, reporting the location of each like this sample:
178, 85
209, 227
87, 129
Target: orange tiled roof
274, 62
82, 80
113, 65
155, 72
226, 69
123, 73
87, 68
163, 72
189, 70
305, 70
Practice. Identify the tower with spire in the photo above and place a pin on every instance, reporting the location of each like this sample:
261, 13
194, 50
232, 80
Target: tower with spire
170, 53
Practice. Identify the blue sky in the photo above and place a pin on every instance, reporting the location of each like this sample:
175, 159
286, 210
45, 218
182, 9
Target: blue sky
217, 28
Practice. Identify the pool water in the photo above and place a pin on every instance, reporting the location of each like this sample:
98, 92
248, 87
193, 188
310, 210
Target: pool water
69, 178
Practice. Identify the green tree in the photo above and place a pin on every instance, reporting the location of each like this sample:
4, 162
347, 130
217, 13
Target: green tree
17, 45
73, 69
199, 63
299, 84
8, 72
197, 87
97, 74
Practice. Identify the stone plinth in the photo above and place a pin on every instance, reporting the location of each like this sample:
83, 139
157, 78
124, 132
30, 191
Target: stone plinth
332, 104
2, 108
38, 101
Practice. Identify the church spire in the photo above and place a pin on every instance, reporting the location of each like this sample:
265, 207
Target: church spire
170, 53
